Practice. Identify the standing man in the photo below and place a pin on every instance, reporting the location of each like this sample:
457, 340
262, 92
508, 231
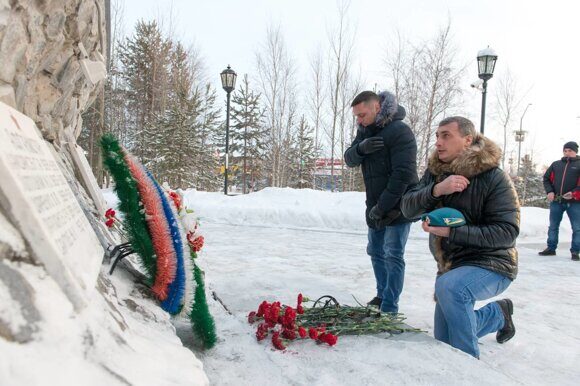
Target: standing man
478, 260
385, 148
562, 185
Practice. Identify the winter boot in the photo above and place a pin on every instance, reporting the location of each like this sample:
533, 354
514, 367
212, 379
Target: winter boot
547, 252
376, 302
509, 330
575, 256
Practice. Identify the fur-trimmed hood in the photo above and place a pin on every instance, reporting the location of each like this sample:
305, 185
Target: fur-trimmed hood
481, 156
390, 109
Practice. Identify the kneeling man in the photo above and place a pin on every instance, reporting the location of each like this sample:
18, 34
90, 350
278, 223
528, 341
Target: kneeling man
478, 260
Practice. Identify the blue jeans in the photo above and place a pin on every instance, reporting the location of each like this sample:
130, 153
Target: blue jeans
456, 322
556, 213
386, 248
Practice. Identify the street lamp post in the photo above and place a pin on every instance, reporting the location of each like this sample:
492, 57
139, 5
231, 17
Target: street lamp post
486, 59
520, 136
228, 77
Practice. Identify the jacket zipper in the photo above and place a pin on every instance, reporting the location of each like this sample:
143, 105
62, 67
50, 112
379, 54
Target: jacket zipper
564, 176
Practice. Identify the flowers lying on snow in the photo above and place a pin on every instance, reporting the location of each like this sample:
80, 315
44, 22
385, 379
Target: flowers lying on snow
281, 321
323, 322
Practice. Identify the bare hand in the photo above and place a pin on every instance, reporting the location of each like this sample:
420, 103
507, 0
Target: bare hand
437, 231
567, 196
551, 196
450, 185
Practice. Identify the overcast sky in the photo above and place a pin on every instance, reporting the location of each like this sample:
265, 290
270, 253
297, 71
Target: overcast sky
538, 41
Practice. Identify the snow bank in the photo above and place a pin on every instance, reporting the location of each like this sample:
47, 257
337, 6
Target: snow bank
311, 209
10, 236
282, 207
121, 338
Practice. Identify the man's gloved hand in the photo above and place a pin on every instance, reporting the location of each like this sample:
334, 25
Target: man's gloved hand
376, 213
370, 145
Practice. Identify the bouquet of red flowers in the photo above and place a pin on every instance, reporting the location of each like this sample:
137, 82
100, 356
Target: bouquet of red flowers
323, 322
281, 321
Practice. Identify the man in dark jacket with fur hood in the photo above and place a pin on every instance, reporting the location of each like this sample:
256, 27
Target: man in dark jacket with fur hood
478, 260
386, 149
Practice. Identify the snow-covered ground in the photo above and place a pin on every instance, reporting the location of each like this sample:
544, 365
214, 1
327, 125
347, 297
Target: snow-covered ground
121, 338
276, 243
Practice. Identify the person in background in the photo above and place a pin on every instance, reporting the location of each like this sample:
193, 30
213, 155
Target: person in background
562, 185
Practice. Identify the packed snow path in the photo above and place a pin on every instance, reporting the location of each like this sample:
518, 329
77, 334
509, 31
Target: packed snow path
247, 264
276, 243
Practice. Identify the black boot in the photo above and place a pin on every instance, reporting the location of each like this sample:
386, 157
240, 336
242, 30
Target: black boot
509, 330
547, 252
575, 256
376, 302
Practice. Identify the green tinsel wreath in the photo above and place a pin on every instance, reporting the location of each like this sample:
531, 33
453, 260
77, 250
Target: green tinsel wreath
129, 204
200, 317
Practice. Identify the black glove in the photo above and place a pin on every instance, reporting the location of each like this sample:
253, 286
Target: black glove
370, 145
383, 219
376, 213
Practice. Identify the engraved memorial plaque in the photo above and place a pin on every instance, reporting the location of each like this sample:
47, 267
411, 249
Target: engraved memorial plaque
88, 178
35, 193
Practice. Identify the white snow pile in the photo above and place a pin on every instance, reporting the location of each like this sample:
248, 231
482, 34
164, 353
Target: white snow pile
10, 236
283, 207
272, 245
119, 339
312, 209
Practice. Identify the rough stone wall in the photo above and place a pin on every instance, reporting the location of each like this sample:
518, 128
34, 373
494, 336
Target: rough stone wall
43, 44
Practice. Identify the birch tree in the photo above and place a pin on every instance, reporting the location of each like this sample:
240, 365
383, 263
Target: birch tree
276, 72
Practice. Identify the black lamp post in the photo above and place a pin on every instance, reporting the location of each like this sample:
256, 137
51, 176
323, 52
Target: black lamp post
486, 59
229, 84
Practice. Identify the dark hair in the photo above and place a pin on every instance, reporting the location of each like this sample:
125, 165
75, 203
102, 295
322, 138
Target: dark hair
365, 96
465, 125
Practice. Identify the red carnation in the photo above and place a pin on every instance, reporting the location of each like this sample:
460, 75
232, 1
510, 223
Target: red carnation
176, 199
195, 242
261, 334
289, 317
302, 332
277, 342
289, 333
273, 313
300, 309
313, 333
330, 339
252, 317
109, 223
263, 308
262, 331
110, 213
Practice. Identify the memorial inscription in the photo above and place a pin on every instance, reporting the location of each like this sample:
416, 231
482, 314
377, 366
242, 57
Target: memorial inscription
43, 205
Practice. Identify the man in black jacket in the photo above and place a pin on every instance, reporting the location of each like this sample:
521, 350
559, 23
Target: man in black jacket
562, 184
478, 260
385, 148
